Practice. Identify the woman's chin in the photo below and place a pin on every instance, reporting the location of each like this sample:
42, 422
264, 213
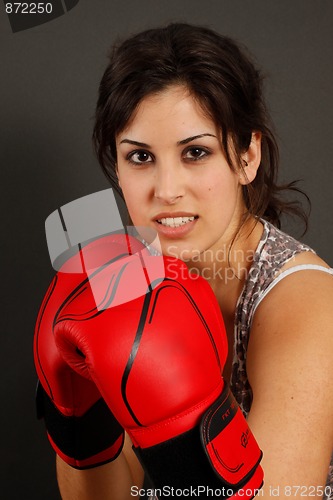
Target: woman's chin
184, 253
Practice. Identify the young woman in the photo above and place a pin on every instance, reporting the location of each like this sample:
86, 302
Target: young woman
183, 134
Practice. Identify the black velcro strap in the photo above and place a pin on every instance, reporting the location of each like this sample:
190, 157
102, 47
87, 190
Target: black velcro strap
79, 437
229, 443
181, 463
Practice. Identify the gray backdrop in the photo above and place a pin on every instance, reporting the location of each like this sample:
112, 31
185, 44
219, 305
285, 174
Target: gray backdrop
49, 80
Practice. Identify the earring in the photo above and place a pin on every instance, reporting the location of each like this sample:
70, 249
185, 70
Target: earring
246, 163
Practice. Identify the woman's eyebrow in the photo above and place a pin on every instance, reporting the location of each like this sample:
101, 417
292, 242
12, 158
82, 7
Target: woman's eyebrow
179, 143
135, 143
193, 138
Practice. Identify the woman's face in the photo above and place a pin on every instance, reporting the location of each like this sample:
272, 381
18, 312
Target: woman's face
174, 175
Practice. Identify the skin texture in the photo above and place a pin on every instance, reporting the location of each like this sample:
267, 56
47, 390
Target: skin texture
173, 177
288, 365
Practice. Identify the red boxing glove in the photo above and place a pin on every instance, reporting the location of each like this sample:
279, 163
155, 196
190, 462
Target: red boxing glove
157, 361
80, 425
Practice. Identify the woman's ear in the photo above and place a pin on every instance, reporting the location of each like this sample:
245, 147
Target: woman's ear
251, 159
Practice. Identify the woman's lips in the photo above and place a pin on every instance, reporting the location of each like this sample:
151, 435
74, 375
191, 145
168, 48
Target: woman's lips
176, 226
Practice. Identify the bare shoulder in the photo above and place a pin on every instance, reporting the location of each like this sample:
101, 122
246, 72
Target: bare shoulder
290, 370
295, 319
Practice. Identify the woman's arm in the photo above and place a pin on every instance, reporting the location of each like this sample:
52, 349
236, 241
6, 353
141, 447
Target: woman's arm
290, 370
111, 481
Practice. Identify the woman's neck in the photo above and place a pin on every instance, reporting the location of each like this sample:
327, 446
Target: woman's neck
226, 265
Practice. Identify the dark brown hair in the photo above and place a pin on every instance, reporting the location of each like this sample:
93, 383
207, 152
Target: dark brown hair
225, 82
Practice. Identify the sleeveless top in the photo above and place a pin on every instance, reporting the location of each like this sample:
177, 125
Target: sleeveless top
273, 251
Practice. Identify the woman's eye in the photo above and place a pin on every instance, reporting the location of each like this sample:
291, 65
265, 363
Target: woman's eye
196, 154
140, 157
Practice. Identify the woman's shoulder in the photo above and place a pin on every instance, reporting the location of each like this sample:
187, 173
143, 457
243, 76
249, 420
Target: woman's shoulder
278, 298
298, 299
276, 247
292, 325
290, 371
285, 255
278, 252
278, 255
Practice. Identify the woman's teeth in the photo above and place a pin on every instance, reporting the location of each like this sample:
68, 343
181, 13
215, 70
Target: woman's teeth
175, 221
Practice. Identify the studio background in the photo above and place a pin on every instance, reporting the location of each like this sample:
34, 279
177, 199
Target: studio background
49, 81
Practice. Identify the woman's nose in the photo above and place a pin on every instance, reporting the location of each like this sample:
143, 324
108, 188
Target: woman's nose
169, 184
